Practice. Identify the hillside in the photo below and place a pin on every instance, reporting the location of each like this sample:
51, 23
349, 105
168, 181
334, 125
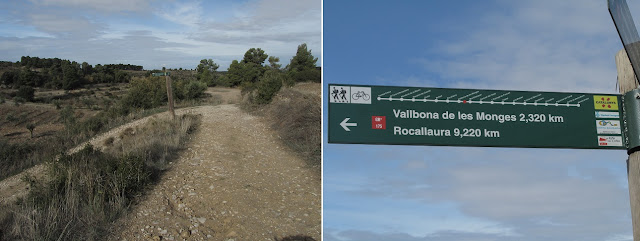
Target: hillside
235, 180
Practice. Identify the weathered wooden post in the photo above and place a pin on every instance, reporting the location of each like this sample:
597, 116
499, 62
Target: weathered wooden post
169, 93
627, 82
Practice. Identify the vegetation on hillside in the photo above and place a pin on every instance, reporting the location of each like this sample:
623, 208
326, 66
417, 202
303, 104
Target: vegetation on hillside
260, 82
88, 190
15, 157
144, 97
55, 73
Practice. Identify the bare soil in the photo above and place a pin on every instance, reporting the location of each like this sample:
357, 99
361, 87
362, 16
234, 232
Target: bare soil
14, 119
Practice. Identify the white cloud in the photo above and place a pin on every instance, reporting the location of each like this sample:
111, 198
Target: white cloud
619, 237
100, 5
184, 13
523, 192
266, 21
415, 165
60, 24
534, 45
504, 192
355, 235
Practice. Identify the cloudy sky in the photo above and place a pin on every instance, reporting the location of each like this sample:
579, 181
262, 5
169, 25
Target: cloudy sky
421, 193
156, 33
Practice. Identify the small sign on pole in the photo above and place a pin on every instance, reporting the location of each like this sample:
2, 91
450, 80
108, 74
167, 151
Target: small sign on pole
161, 74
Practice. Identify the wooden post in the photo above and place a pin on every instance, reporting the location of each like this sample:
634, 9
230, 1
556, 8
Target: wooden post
169, 94
628, 82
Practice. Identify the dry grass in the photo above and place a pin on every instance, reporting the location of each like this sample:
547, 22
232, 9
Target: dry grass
16, 157
296, 117
88, 190
158, 140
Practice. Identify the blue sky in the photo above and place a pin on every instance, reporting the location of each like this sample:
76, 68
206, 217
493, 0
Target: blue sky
171, 33
422, 193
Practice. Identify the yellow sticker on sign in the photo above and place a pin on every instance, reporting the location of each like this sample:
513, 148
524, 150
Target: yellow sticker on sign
605, 102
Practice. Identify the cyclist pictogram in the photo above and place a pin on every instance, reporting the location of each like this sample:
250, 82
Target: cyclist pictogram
360, 94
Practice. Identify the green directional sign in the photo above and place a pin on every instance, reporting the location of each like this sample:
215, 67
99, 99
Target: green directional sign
466, 117
161, 74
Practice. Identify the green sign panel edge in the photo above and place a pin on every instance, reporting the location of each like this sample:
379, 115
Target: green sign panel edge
469, 104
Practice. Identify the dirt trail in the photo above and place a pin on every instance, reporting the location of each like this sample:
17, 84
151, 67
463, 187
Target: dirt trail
227, 95
235, 181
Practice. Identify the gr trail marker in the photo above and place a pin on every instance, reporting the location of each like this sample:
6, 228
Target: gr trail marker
471, 117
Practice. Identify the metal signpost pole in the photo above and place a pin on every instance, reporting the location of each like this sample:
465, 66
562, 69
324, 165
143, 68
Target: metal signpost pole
628, 83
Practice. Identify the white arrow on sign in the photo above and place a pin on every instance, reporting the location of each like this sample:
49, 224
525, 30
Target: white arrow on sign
345, 125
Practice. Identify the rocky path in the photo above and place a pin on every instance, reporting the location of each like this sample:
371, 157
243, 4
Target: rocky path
235, 182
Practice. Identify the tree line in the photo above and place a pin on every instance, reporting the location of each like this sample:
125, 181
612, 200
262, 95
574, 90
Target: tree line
55, 73
246, 72
261, 81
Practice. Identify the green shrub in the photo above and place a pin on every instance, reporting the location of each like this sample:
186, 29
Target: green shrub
57, 103
93, 125
145, 93
267, 87
308, 74
19, 100
222, 81
68, 117
31, 127
122, 77
88, 102
194, 89
106, 103
288, 81
13, 157
10, 118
